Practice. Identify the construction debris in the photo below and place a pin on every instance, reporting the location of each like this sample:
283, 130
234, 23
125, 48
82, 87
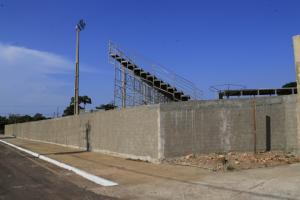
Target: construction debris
235, 160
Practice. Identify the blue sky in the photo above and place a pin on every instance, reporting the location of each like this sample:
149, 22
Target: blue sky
208, 42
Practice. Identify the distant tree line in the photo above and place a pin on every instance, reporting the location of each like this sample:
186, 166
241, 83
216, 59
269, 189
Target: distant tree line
11, 119
69, 110
109, 106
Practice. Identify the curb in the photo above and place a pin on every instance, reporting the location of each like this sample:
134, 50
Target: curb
96, 179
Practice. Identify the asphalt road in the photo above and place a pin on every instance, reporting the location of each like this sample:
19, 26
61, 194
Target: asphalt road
24, 177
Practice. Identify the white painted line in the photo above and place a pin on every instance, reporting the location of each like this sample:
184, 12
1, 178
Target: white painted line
84, 174
21, 149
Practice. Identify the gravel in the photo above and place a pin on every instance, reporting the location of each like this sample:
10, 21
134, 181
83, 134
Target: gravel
235, 160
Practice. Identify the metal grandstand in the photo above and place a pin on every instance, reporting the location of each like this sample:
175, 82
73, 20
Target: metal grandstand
140, 82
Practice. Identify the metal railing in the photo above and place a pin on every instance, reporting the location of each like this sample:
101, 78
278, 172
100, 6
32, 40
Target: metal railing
159, 71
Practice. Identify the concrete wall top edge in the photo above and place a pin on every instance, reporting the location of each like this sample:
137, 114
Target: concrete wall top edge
89, 114
296, 36
194, 104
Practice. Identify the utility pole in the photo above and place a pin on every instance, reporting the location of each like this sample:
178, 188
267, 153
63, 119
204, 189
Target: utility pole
79, 27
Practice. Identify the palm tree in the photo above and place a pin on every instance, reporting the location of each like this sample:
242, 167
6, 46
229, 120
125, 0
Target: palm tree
70, 109
85, 100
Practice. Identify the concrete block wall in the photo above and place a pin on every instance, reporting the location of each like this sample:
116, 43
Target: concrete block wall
67, 131
227, 125
291, 133
130, 133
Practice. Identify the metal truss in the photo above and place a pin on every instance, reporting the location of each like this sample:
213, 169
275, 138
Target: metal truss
137, 84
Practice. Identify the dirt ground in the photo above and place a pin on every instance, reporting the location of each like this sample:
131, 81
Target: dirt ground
235, 160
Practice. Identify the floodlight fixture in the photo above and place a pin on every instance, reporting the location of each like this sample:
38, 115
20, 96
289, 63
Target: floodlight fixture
80, 25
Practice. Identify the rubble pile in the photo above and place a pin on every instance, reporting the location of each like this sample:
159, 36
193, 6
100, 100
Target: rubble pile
235, 160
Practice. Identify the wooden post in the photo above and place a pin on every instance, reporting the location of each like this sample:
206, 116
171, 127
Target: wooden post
254, 124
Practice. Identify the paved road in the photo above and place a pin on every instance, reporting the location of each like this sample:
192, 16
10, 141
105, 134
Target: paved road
24, 177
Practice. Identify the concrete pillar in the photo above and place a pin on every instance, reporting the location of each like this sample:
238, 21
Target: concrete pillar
296, 44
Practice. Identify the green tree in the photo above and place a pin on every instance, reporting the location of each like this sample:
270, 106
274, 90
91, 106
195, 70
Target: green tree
14, 118
24, 118
290, 85
70, 109
109, 106
3, 121
85, 100
38, 116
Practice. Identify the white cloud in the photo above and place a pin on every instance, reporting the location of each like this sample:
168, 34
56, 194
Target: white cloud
31, 77
40, 61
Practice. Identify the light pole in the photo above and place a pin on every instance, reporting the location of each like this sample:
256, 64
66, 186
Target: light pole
79, 27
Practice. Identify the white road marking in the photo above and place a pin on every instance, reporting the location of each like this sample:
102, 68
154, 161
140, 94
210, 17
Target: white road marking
84, 174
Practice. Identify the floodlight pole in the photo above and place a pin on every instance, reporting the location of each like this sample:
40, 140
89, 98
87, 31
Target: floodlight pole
80, 26
76, 96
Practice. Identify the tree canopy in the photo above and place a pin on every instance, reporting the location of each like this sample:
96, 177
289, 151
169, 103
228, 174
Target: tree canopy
85, 100
108, 106
290, 85
82, 100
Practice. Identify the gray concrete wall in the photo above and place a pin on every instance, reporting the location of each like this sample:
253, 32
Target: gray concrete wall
175, 129
227, 125
129, 133
67, 131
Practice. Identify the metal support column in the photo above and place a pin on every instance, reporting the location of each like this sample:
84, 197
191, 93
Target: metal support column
123, 87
